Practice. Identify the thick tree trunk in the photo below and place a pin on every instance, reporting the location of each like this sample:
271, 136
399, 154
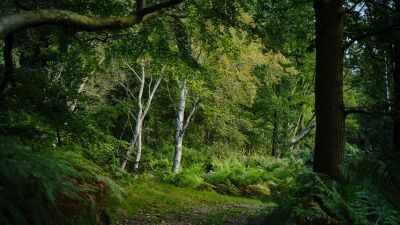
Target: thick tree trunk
179, 132
274, 151
329, 108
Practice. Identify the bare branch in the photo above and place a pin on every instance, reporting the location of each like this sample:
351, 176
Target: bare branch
367, 112
353, 7
151, 81
302, 134
151, 96
170, 97
131, 69
387, 29
191, 114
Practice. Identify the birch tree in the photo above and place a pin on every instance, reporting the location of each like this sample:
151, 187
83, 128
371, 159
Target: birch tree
181, 124
140, 114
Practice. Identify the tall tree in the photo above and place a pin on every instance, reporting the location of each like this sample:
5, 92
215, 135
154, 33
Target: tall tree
329, 108
181, 124
184, 48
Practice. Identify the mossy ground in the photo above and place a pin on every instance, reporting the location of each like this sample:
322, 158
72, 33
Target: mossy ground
151, 202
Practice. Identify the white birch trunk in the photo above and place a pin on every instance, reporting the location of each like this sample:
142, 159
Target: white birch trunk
180, 115
138, 150
137, 126
141, 114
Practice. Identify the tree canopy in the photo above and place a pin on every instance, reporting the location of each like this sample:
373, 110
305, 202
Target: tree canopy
293, 102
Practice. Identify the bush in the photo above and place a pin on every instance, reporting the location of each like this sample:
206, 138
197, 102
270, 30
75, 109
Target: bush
56, 188
319, 200
190, 177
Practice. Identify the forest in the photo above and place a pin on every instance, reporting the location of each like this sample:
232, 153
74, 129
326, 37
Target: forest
125, 112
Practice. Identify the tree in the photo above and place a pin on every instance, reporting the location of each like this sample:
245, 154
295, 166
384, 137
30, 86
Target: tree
181, 124
329, 107
185, 50
140, 115
73, 21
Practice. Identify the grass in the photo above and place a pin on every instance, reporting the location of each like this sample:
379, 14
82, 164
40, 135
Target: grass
147, 201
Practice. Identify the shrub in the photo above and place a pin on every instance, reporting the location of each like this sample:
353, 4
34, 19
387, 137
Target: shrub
190, 177
56, 188
319, 200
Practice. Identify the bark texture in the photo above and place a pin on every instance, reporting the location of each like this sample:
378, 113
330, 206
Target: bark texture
140, 115
138, 126
18, 21
179, 131
329, 108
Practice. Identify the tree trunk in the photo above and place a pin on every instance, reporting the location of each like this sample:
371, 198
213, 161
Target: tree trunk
8, 64
180, 115
138, 127
137, 132
299, 126
274, 151
141, 114
329, 108
138, 150
58, 133
396, 89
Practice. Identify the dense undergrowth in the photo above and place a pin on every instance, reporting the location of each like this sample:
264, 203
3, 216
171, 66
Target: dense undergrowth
62, 187
366, 194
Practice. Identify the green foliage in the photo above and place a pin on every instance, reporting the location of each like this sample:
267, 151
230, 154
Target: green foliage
251, 176
60, 187
190, 177
366, 195
250, 63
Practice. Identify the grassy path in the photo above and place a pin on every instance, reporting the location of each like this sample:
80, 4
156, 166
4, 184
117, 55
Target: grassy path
150, 203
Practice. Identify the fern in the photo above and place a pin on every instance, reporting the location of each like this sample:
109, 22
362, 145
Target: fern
50, 188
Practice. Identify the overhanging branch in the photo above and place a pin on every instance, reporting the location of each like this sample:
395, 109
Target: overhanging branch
10, 24
371, 34
367, 112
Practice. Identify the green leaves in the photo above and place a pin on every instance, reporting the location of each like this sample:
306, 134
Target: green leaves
39, 189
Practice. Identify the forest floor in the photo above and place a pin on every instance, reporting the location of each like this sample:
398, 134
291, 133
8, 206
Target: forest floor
149, 203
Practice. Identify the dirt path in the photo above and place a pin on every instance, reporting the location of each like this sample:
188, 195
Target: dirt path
217, 214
